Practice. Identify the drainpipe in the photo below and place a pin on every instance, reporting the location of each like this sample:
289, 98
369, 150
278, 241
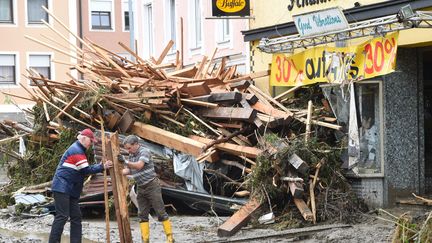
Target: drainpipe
131, 28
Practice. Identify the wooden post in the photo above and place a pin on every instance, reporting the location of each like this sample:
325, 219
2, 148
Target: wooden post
308, 121
107, 219
122, 215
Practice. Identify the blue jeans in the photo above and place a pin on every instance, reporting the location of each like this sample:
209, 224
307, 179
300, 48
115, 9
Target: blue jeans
66, 207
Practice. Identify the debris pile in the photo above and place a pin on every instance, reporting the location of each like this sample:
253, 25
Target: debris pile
247, 143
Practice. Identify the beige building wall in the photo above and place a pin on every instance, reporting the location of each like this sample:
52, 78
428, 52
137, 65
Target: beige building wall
107, 38
13, 41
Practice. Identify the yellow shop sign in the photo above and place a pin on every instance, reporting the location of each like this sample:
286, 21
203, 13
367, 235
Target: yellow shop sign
372, 58
230, 8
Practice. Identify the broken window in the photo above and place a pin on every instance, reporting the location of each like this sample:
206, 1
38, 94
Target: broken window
368, 106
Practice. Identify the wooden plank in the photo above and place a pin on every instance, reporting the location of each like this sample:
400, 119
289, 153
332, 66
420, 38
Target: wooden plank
250, 152
296, 187
239, 218
188, 72
299, 164
251, 98
240, 85
196, 89
226, 97
308, 121
168, 139
230, 113
165, 52
121, 185
271, 111
69, 105
287, 92
200, 68
126, 122
198, 103
304, 210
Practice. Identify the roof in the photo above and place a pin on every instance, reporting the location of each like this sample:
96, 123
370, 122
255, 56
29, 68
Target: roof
355, 14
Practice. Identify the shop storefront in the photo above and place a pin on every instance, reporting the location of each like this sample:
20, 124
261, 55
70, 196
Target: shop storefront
376, 75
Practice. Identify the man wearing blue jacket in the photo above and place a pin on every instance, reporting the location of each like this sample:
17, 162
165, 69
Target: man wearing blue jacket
68, 183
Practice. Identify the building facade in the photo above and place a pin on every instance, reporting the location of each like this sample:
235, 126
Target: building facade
393, 110
21, 18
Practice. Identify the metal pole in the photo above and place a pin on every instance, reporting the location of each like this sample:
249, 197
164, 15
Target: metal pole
131, 29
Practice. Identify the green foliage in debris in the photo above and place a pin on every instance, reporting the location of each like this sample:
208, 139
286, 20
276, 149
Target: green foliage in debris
39, 165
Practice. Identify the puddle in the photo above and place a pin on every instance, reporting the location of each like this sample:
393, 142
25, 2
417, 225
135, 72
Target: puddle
43, 237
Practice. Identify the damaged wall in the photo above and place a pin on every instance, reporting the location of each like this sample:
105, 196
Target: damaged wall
402, 158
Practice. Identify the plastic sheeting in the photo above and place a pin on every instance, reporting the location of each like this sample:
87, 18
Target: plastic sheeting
353, 133
188, 168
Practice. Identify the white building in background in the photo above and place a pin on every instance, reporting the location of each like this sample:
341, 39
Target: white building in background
156, 22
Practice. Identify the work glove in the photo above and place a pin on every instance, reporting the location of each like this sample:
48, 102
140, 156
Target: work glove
121, 159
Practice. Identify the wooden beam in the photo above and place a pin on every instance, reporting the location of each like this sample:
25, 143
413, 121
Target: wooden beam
278, 97
230, 113
308, 121
165, 52
69, 105
250, 152
299, 164
168, 139
304, 210
239, 218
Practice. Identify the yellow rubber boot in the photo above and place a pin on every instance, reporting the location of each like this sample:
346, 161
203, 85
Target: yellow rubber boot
168, 230
145, 231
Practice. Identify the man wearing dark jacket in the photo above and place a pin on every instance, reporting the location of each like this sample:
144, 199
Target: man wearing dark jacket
67, 186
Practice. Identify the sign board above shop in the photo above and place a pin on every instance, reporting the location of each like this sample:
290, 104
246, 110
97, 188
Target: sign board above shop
369, 59
230, 8
318, 22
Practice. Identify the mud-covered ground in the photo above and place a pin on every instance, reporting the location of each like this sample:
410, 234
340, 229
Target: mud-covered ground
186, 229
196, 229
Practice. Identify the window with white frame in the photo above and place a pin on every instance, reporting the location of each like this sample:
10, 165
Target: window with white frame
101, 14
196, 24
41, 64
6, 11
8, 69
126, 25
171, 21
224, 34
148, 30
35, 13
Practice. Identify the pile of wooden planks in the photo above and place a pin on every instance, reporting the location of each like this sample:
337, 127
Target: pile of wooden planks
207, 110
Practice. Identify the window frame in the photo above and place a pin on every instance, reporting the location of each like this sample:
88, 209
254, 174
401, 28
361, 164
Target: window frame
195, 42
37, 24
51, 65
170, 25
224, 40
11, 12
111, 18
125, 9
148, 29
16, 71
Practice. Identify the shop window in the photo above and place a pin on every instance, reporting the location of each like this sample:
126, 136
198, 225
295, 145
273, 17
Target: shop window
35, 13
368, 97
362, 117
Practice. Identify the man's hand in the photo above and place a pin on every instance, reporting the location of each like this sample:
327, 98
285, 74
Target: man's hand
108, 164
126, 171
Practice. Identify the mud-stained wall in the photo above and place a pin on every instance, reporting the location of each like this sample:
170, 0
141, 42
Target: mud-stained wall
402, 158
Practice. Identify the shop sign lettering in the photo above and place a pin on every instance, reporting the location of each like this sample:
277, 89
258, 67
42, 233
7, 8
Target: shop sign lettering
304, 3
324, 21
230, 8
335, 64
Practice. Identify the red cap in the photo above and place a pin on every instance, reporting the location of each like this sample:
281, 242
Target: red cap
88, 133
